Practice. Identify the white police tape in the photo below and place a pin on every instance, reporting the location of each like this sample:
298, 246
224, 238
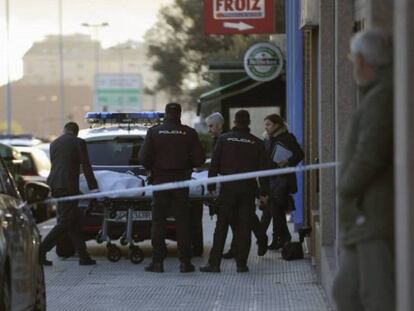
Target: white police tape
195, 182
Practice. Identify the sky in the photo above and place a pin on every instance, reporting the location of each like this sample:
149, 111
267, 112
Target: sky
32, 20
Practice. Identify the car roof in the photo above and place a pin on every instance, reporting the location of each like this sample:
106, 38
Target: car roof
110, 132
20, 141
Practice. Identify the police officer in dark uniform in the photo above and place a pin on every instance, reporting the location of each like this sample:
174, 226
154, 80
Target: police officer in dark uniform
215, 124
237, 151
169, 153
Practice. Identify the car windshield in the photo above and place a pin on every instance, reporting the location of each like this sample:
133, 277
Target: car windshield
118, 151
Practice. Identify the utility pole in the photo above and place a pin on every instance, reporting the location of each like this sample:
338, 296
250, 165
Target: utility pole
8, 93
95, 28
61, 69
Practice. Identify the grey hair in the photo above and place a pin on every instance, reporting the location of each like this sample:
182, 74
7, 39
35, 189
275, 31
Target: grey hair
374, 45
215, 118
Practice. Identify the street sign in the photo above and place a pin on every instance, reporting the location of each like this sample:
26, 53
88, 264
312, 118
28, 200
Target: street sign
118, 92
239, 16
263, 61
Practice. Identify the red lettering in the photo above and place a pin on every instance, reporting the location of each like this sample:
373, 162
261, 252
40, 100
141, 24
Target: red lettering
228, 5
240, 5
256, 6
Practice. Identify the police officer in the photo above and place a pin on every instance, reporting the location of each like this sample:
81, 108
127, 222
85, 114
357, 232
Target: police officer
237, 151
169, 153
68, 153
215, 124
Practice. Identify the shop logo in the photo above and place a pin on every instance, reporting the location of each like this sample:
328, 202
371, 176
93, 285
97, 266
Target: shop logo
239, 9
263, 61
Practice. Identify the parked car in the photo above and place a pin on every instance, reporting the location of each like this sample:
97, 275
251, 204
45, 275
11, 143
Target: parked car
35, 167
45, 147
13, 159
22, 283
113, 143
20, 140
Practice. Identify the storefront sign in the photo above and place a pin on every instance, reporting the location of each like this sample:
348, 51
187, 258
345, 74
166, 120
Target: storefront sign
263, 61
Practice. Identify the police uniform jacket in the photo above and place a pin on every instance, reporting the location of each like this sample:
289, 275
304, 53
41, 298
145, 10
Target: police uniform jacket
67, 154
170, 151
238, 151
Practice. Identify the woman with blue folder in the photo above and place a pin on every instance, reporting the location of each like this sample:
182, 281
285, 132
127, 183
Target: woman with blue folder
284, 151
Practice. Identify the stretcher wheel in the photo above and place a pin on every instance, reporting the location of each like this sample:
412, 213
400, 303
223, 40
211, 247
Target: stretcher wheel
136, 255
123, 240
114, 253
99, 238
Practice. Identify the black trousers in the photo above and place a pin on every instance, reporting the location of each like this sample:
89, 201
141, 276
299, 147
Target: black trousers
258, 231
69, 218
236, 209
277, 211
163, 202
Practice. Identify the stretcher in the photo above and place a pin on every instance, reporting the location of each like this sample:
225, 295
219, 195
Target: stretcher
130, 214
128, 219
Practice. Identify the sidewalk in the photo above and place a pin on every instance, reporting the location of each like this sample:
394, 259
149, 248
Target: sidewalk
271, 284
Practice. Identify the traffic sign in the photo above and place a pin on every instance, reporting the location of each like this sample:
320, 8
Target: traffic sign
239, 16
118, 92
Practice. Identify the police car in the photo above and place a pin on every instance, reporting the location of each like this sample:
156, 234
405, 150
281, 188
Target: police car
114, 141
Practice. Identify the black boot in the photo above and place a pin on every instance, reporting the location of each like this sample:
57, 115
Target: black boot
186, 267
275, 245
228, 255
210, 268
43, 260
155, 267
242, 268
87, 261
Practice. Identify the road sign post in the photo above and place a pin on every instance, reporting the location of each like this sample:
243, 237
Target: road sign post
239, 16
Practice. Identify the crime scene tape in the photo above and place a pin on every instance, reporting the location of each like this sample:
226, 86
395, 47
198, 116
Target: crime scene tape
195, 182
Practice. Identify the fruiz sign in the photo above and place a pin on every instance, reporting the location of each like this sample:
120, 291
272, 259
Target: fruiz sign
239, 16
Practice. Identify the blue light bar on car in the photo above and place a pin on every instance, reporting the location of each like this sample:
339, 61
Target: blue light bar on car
124, 117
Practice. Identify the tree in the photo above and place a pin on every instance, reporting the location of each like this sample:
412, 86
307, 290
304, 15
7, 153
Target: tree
180, 49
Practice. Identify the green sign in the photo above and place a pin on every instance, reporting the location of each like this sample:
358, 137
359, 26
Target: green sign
118, 92
263, 61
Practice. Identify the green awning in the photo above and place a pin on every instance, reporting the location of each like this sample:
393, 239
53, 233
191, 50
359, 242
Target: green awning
220, 89
232, 89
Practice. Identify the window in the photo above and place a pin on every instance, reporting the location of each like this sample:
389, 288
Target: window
119, 151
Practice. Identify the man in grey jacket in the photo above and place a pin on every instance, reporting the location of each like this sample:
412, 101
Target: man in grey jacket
365, 279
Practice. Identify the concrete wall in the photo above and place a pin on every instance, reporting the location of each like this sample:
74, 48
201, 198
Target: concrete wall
327, 139
404, 164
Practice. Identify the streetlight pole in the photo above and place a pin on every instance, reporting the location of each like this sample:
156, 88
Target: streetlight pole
8, 93
95, 28
62, 73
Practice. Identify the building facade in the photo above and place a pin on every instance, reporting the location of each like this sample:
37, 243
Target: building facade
83, 58
323, 104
